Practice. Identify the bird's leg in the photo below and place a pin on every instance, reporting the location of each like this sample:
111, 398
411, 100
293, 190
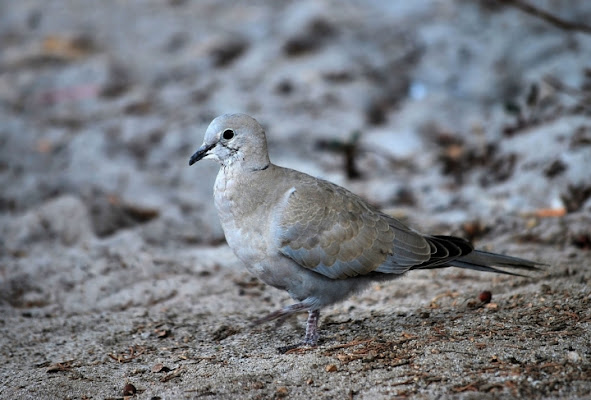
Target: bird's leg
311, 337
282, 314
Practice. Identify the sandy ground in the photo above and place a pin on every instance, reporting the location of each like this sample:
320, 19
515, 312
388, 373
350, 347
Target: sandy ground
459, 117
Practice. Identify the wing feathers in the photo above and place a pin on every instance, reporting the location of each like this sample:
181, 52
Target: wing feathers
329, 230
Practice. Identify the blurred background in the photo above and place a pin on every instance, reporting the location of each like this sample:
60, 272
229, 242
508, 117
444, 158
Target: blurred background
464, 117
456, 108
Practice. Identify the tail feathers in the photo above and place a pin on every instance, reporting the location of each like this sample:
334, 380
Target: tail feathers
450, 251
484, 261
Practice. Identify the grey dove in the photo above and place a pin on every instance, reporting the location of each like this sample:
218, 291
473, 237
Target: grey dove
316, 240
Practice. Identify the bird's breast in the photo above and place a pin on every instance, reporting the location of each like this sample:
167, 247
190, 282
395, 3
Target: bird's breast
243, 217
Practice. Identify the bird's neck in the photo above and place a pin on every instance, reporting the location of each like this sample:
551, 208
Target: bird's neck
240, 165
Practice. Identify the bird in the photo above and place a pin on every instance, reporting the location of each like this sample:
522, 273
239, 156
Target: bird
312, 238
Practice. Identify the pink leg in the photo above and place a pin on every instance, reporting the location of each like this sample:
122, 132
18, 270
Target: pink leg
311, 338
282, 314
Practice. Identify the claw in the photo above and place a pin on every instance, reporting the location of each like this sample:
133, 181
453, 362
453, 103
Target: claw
288, 348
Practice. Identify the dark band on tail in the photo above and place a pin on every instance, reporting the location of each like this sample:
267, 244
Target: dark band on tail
450, 251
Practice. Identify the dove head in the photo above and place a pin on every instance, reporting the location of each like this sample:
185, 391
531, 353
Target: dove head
234, 138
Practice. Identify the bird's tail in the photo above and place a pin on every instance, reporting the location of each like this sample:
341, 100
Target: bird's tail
458, 252
491, 262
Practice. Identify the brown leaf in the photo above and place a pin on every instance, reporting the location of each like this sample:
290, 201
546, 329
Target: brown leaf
331, 368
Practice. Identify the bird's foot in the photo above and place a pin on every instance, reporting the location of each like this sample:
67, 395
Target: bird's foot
311, 338
292, 348
295, 348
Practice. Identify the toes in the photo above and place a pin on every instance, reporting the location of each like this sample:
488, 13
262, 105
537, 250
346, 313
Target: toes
310, 341
296, 348
285, 349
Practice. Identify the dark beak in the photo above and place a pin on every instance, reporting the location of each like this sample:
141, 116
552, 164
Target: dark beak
202, 152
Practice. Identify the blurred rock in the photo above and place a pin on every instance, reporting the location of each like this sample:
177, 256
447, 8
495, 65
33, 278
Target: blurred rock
64, 219
226, 50
110, 213
312, 37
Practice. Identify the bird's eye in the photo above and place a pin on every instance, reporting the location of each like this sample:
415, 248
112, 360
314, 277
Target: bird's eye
228, 134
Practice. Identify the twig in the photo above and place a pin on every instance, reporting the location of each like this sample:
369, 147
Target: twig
61, 366
172, 375
406, 382
350, 344
125, 358
546, 16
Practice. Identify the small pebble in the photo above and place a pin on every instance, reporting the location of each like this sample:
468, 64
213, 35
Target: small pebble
282, 391
330, 368
573, 356
485, 297
160, 368
129, 390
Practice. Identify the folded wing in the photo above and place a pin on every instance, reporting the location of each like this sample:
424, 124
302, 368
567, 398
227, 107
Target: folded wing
330, 230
